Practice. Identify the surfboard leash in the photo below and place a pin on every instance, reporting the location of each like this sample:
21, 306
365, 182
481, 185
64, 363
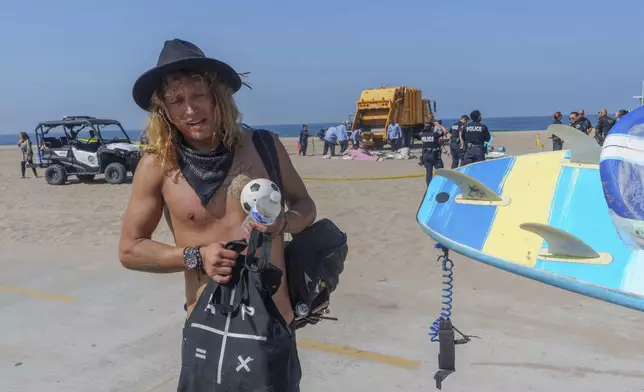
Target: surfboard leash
442, 330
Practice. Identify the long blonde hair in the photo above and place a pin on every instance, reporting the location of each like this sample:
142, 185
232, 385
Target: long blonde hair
163, 134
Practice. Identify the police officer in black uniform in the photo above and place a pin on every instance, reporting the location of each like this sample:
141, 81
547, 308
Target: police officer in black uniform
557, 143
582, 117
577, 123
620, 114
431, 149
604, 124
474, 137
455, 141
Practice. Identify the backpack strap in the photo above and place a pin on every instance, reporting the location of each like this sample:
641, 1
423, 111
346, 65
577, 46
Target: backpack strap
265, 146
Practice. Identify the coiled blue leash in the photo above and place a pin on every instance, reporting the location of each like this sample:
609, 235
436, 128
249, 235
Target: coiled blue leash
442, 330
446, 308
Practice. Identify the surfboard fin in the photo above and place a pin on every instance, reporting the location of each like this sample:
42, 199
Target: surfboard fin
583, 148
565, 247
472, 191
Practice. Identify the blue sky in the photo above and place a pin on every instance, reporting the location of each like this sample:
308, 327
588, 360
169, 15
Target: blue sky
310, 60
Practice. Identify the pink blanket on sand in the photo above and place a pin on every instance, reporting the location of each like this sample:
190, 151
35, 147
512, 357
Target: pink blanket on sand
361, 155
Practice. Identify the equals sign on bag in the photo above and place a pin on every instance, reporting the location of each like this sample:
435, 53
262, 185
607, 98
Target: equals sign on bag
201, 353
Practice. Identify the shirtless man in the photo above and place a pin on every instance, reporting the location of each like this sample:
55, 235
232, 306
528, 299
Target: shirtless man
198, 109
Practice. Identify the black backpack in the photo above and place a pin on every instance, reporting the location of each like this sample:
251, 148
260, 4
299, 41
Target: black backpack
314, 258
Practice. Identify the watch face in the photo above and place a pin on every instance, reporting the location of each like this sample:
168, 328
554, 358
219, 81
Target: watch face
190, 258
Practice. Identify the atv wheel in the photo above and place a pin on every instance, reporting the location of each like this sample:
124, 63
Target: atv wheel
85, 177
55, 175
115, 173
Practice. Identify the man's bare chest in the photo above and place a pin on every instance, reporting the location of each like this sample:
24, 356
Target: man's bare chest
224, 208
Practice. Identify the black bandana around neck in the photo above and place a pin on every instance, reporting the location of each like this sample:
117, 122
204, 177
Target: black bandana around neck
204, 171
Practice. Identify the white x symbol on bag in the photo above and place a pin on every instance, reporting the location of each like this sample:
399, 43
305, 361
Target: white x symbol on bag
243, 363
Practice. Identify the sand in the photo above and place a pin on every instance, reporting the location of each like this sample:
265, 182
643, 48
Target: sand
73, 319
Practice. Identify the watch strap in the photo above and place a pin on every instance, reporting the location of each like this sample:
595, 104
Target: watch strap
192, 259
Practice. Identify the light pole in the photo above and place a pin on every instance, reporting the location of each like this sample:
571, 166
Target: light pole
641, 97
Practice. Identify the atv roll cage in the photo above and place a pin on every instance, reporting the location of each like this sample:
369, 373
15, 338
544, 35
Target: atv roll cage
72, 126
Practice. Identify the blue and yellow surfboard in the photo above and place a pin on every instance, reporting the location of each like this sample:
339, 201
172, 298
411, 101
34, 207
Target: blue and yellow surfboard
548, 190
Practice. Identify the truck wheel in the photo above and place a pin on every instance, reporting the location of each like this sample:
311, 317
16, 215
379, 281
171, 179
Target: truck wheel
115, 173
55, 175
85, 177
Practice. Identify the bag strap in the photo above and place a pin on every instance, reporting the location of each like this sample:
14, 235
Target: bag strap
222, 294
265, 146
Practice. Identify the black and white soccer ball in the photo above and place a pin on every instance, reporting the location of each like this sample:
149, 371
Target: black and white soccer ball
255, 189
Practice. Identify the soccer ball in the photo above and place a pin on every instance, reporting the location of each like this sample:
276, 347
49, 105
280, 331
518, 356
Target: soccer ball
255, 189
621, 167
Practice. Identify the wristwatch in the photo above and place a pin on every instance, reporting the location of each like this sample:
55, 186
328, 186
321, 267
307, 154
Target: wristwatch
192, 259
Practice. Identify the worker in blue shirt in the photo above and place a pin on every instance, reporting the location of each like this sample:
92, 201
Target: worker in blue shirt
394, 135
330, 137
356, 138
343, 136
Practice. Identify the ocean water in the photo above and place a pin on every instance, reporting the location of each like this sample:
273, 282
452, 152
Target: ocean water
495, 124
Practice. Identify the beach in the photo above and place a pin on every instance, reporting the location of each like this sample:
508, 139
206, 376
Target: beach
73, 319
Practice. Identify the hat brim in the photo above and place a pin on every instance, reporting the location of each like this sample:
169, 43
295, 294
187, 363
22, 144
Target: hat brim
148, 82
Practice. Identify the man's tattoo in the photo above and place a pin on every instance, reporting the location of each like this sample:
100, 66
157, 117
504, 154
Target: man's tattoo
157, 269
237, 177
237, 185
149, 268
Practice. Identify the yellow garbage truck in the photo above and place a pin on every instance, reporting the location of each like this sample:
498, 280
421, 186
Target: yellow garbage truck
378, 107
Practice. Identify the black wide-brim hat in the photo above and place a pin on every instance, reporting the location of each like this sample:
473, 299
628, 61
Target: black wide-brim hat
179, 55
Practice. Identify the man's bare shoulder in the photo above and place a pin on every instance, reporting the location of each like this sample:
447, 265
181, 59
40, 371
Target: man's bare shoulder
245, 141
148, 172
247, 156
